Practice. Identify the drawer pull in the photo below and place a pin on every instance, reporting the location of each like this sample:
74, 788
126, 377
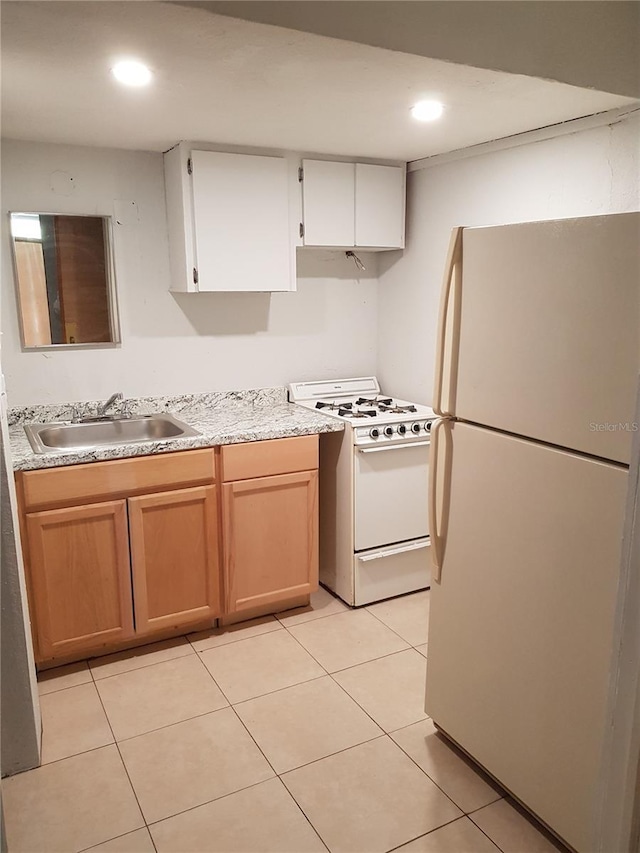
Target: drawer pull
365, 558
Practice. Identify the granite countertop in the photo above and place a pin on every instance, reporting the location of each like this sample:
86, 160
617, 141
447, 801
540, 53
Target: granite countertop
219, 417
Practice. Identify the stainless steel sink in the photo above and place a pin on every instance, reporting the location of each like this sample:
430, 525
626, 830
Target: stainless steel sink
49, 438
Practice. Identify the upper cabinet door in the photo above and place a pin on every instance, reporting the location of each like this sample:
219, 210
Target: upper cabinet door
328, 203
380, 202
241, 227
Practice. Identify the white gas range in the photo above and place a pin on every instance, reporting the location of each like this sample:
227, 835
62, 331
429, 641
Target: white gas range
374, 532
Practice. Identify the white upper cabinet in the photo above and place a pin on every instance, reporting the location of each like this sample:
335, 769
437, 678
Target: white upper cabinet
380, 202
328, 200
229, 223
353, 205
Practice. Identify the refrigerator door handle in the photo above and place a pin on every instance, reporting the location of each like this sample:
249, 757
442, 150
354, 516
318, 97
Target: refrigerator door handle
454, 257
434, 533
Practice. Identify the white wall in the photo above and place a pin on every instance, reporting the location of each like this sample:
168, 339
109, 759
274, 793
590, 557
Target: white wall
588, 173
175, 343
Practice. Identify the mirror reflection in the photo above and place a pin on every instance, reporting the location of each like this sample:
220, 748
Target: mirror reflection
64, 279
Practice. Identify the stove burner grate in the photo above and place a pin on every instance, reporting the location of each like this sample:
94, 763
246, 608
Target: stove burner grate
333, 406
397, 410
360, 413
374, 401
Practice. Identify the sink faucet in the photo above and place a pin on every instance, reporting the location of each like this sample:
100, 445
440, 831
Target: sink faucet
101, 411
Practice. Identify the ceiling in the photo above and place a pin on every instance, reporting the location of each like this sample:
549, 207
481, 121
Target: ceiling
590, 43
235, 82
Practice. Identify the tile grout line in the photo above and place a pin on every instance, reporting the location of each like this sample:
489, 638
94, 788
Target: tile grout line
527, 816
346, 667
332, 754
224, 797
170, 725
65, 758
277, 775
280, 689
115, 837
144, 666
448, 796
431, 831
347, 609
364, 711
84, 751
260, 695
468, 816
393, 630
96, 680
279, 626
206, 803
373, 660
60, 689
126, 770
304, 814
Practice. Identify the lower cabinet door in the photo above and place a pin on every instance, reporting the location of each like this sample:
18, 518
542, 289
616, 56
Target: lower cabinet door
79, 578
174, 557
271, 539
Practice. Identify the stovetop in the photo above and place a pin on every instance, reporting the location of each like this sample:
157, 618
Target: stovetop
380, 409
358, 401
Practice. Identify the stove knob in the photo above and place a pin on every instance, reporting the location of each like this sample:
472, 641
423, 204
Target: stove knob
388, 430
374, 433
415, 428
402, 429
427, 426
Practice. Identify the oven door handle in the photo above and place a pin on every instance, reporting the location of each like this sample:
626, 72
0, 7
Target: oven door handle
392, 553
392, 446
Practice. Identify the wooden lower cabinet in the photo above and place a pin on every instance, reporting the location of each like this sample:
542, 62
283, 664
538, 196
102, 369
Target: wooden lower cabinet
121, 550
174, 558
270, 539
80, 578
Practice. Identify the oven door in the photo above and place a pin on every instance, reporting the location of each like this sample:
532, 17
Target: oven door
390, 495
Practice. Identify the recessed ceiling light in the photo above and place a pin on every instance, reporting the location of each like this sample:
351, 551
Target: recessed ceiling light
427, 110
131, 73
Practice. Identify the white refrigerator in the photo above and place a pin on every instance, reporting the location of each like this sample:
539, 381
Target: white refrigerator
537, 363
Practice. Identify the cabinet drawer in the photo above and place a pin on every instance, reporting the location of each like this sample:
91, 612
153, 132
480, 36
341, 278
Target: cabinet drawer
95, 481
266, 458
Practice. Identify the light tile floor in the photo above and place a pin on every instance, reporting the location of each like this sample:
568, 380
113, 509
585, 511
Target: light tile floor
295, 733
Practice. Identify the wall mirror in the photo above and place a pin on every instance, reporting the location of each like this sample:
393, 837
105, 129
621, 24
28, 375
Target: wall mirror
65, 280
